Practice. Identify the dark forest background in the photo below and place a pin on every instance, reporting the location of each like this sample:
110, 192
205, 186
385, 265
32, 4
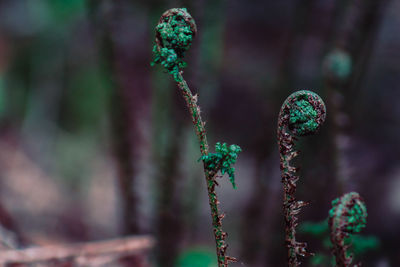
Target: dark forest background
97, 144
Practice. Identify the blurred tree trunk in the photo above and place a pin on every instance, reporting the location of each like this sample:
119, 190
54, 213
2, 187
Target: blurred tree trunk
124, 54
335, 39
334, 32
287, 67
169, 208
362, 43
252, 243
167, 113
354, 30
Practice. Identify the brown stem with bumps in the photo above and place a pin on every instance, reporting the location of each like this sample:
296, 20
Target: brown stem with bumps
291, 207
301, 114
219, 234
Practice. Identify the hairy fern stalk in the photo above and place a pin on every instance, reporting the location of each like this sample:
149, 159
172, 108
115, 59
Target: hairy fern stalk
347, 216
302, 113
174, 35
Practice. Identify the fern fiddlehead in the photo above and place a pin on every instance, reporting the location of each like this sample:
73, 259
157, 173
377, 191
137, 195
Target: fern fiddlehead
174, 35
337, 66
302, 113
347, 216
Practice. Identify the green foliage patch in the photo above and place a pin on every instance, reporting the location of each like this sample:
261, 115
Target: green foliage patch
359, 245
223, 160
197, 257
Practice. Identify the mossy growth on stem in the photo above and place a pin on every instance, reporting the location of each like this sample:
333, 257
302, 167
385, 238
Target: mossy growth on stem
174, 35
223, 160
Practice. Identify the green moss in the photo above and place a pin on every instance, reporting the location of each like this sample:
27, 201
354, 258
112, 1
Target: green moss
174, 34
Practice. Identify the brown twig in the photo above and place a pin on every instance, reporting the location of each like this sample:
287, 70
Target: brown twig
121, 247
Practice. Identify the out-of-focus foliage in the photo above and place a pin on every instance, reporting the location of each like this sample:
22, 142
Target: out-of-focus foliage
197, 257
337, 65
359, 244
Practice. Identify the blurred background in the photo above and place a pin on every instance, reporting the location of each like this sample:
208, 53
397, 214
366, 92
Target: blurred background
96, 144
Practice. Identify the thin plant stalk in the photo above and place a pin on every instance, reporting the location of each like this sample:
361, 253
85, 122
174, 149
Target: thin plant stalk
174, 34
302, 113
210, 175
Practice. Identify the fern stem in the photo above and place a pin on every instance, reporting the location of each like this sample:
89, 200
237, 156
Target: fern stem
174, 34
301, 114
210, 176
191, 102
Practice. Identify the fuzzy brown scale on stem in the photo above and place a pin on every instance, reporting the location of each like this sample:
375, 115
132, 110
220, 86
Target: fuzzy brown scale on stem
302, 114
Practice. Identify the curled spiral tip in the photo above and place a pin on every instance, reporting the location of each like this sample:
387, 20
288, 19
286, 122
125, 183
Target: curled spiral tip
348, 214
174, 35
175, 29
303, 112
